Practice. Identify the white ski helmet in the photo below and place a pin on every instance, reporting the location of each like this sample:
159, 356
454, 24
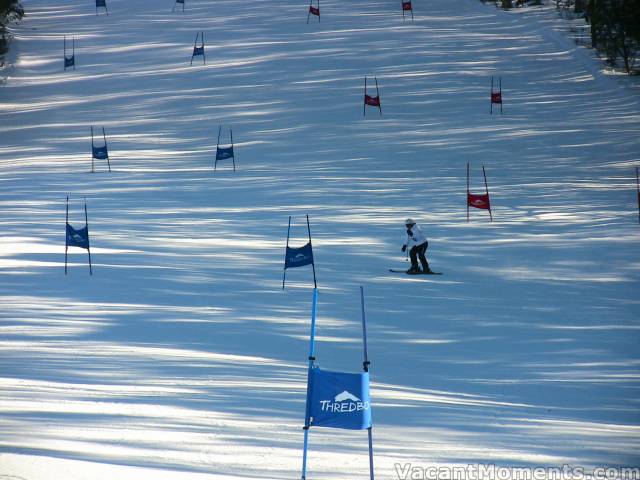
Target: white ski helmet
409, 221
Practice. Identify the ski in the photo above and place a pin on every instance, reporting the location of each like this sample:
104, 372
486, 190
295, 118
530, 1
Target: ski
394, 270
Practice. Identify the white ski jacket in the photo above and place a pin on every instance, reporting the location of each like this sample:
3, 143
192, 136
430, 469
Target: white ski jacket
418, 238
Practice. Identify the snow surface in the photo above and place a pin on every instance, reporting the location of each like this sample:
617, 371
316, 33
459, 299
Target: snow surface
182, 358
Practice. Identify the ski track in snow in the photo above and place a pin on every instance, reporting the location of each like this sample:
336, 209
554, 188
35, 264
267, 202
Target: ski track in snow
181, 357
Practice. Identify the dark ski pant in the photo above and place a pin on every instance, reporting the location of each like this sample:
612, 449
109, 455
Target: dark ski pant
416, 252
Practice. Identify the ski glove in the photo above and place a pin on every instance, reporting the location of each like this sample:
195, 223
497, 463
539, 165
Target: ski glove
409, 232
404, 248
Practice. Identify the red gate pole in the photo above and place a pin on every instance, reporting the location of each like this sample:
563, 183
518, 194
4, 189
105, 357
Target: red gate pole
491, 97
638, 187
378, 95
486, 187
467, 192
364, 108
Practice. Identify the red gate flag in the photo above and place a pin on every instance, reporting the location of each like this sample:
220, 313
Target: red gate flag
372, 101
407, 7
496, 95
313, 10
479, 201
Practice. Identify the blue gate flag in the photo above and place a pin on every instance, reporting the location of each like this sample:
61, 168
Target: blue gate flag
100, 152
69, 62
101, 3
78, 238
339, 400
198, 51
224, 153
298, 257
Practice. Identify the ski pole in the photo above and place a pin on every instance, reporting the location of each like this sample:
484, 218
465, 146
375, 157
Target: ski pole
407, 258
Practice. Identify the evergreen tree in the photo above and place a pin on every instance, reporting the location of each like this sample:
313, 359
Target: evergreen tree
10, 11
615, 30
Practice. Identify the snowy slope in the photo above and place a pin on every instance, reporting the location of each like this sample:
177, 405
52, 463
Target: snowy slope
181, 357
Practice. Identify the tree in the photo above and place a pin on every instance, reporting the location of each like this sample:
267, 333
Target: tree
615, 30
10, 11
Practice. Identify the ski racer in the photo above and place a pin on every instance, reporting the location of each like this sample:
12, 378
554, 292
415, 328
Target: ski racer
418, 243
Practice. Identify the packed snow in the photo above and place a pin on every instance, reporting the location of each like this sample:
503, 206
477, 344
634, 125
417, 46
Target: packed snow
181, 357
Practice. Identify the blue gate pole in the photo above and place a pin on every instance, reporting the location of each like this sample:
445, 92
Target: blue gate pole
194, 47
284, 273
86, 223
104, 136
307, 418
313, 264
92, 156
365, 366
66, 239
215, 165
233, 156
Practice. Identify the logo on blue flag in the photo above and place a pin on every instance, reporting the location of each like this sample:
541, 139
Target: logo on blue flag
77, 238
298, 257
224, 153
339, 400
100, 152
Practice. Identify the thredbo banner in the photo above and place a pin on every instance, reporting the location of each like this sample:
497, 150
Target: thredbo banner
340, 400
77, 237
337, 399
224, 153
100, 153
299, 257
